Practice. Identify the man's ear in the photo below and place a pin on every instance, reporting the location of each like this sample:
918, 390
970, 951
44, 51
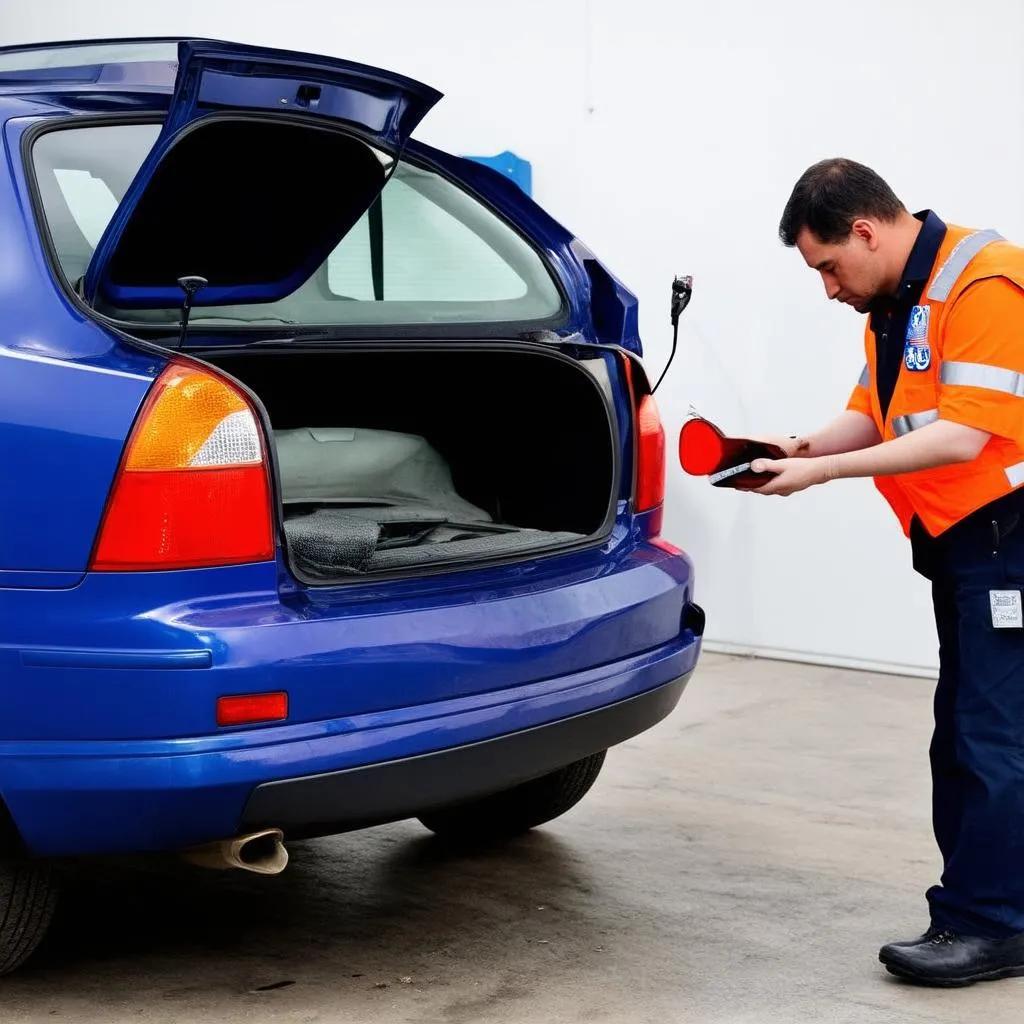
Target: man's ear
867, 231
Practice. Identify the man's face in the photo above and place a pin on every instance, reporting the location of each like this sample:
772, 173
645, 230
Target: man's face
852, 270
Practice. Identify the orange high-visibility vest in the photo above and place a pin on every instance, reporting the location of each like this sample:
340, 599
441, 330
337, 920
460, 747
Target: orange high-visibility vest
960, 367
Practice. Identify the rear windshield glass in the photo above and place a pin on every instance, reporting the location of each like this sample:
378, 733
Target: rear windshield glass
425, 253
39, 57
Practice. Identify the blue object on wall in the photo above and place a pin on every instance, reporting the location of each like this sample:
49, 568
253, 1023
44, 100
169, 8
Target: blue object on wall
512, 166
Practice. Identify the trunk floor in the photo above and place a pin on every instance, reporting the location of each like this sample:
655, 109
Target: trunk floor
331, 542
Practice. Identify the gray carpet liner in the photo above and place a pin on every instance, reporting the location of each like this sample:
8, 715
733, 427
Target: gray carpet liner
412, 514
360, 464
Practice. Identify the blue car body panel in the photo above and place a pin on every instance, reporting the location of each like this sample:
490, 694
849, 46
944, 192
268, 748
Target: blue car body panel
109, 682
132, 695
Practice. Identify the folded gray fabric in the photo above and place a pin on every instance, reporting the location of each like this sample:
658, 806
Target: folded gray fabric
338, 542
330, 542
491, 545
399, 514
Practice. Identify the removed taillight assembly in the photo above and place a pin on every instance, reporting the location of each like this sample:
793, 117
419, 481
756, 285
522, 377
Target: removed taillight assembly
704, 450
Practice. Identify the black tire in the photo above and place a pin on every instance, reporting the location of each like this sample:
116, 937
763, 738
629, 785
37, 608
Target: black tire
28, 896
514, 811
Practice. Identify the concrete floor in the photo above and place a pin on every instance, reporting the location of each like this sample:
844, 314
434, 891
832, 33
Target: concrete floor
739, 864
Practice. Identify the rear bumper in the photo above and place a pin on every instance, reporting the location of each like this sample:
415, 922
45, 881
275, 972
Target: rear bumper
357, 797
91, 797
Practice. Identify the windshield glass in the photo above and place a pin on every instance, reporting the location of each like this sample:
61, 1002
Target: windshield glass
426, 252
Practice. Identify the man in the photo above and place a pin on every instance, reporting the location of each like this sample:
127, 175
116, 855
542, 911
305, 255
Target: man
937, 419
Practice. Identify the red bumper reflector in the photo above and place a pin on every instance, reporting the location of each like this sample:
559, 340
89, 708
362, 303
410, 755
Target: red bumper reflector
248, 708
666, 546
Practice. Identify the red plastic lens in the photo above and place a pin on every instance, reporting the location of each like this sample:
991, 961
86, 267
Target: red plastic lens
187, 519
701, 448
650, 476
246, 709
666, 546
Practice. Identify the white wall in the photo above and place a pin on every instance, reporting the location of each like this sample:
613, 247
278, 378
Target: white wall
669, 142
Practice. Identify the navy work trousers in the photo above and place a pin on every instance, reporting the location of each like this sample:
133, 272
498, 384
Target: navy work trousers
977, 750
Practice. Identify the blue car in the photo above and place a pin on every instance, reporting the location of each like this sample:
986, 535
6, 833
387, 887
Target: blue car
333, 481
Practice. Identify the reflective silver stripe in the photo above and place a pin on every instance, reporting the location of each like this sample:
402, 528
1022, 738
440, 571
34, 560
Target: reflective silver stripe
913, 421
1015, 474
865, 377
956, 263
981, 375
67, 364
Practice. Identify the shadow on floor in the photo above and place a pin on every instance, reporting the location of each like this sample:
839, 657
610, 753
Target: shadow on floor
367, 903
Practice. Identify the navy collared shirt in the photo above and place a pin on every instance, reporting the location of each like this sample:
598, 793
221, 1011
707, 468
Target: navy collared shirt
890, 314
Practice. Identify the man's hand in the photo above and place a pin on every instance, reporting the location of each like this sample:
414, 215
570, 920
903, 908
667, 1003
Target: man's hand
938, 444
794, 447
791, 475
850, 431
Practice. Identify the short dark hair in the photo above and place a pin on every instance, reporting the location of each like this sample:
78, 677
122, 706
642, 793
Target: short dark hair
831, 195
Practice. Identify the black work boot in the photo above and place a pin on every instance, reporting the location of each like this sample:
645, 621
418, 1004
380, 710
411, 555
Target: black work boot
948, 960
907, 943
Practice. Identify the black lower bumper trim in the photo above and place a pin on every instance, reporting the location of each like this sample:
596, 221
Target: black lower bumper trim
392, 790
694, 619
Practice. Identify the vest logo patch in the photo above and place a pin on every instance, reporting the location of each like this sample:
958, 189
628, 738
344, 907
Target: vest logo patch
917, 353
917, 325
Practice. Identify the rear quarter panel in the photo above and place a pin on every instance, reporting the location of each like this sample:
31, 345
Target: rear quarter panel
69, 393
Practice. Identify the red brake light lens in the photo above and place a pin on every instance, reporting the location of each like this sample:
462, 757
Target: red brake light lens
193, 488
650, 474
701, 448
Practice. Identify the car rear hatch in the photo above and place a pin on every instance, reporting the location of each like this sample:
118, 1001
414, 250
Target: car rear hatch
232, 191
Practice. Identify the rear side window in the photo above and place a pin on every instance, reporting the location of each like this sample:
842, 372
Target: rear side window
426, 252
82, 173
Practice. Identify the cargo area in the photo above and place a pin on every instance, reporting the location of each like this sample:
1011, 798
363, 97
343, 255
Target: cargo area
398, 461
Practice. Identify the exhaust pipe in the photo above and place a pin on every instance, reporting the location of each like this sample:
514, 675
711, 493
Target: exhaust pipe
260, 852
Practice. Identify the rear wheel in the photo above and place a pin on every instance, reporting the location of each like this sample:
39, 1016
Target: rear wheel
514, 811
28, 895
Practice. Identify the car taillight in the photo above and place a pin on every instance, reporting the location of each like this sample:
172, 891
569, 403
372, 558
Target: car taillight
650, 469
192, 489
649, 490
